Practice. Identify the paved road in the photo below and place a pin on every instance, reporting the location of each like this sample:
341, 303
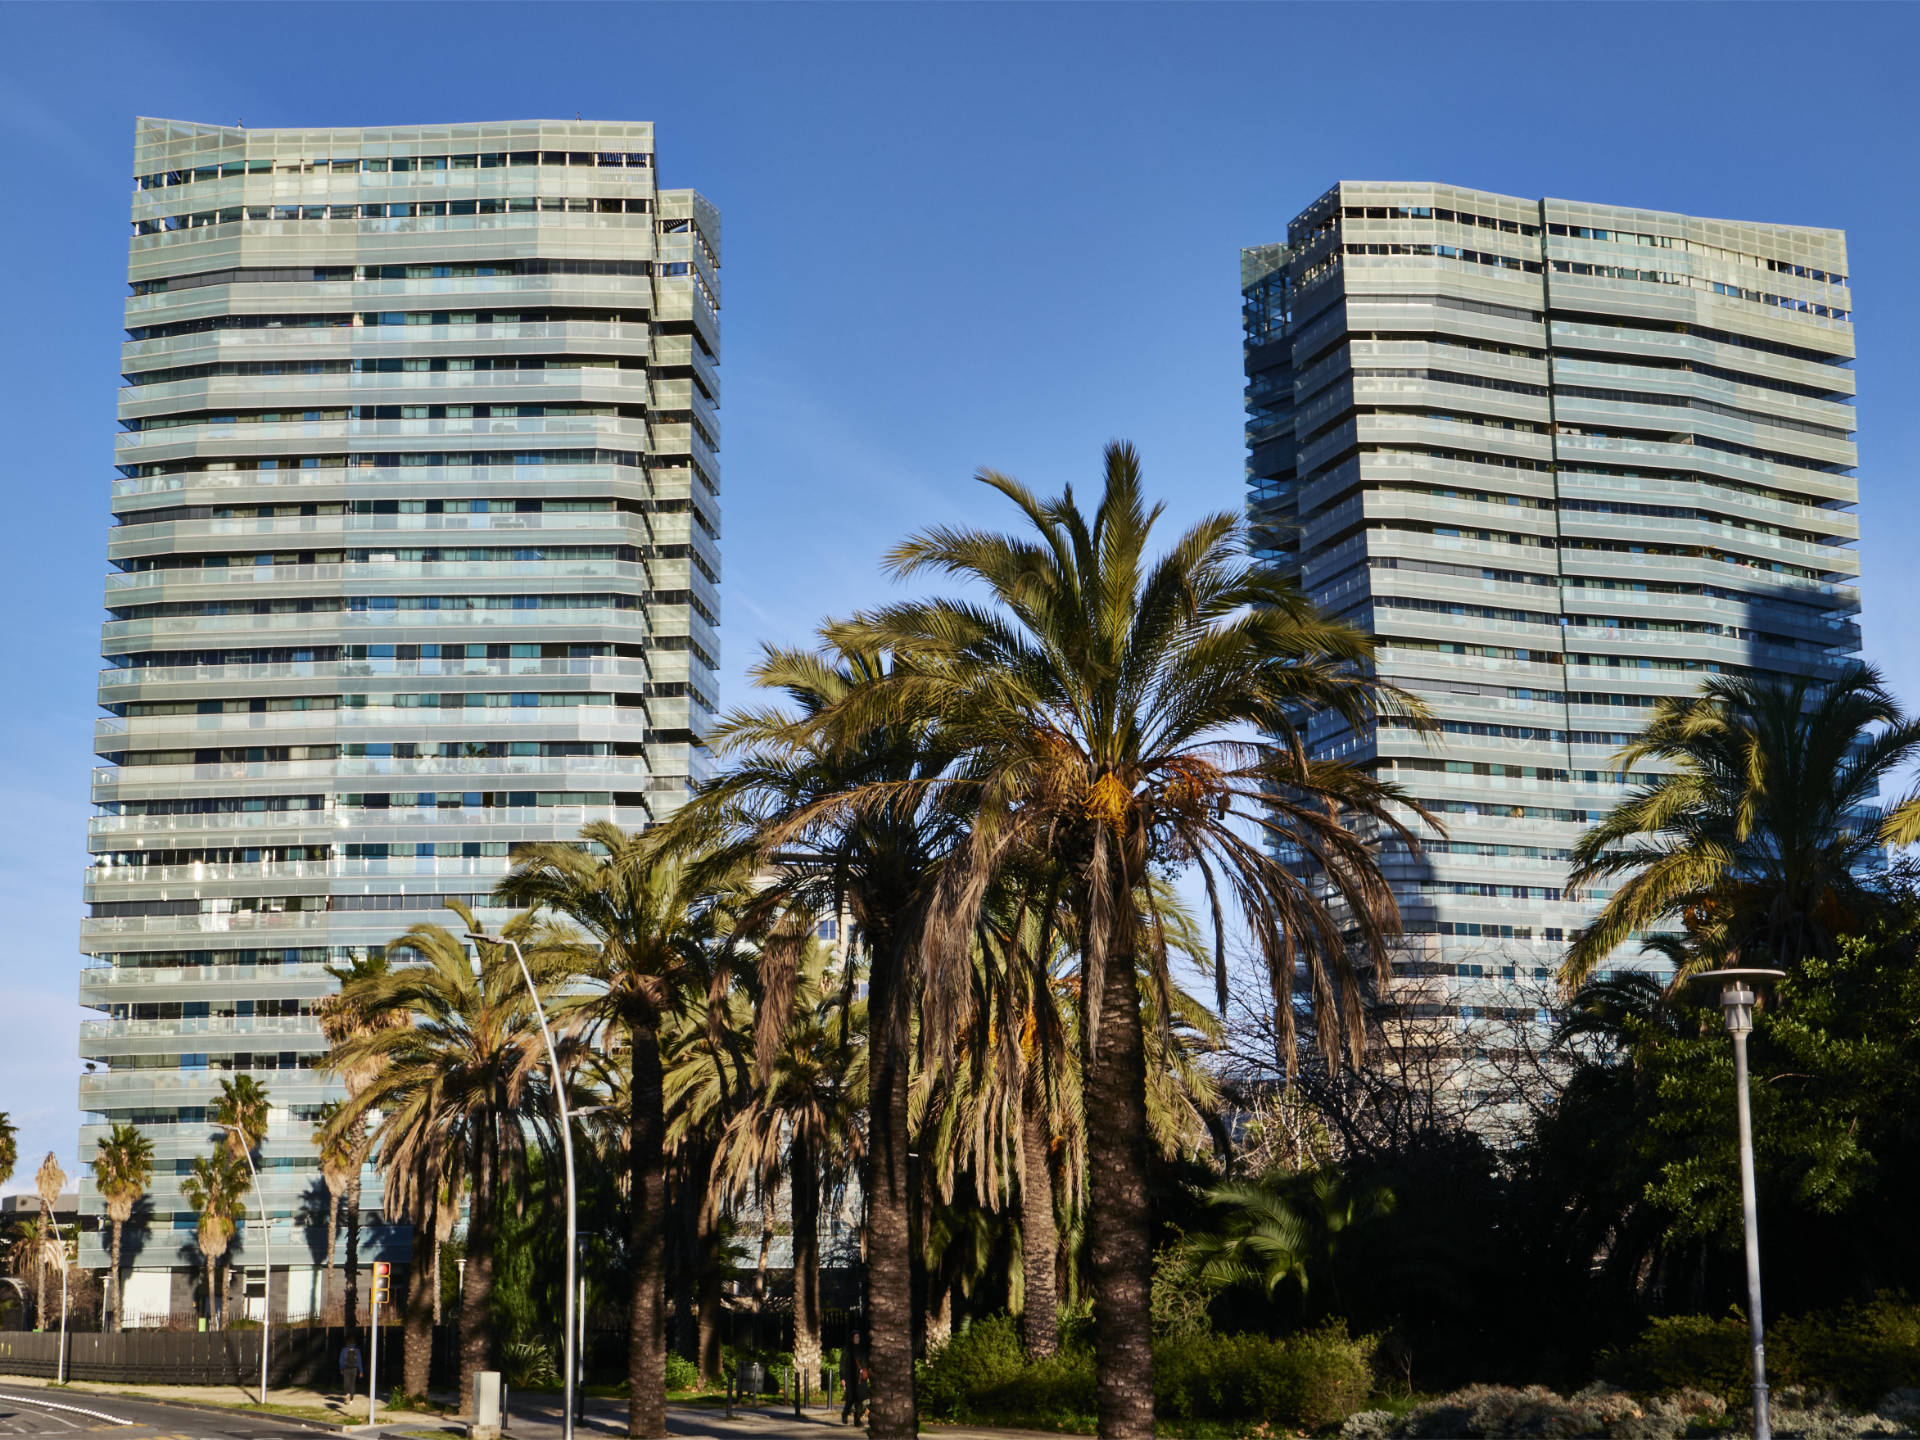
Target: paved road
70, 1413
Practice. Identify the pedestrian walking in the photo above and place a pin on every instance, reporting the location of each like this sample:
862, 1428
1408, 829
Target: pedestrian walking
853, 1381
350, 1369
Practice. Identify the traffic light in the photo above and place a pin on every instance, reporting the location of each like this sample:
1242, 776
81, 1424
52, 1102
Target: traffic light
382, 1277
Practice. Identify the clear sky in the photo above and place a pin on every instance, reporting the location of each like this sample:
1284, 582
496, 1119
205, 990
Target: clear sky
954, 236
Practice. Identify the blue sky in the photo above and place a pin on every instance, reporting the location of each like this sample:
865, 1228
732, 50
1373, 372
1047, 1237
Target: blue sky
954, 236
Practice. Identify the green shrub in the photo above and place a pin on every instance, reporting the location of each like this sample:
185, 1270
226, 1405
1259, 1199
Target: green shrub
682, 1373
1684, 1351
1860, 1352
1306, 1380
959, 1375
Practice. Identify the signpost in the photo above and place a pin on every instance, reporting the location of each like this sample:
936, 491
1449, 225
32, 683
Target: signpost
382, 1273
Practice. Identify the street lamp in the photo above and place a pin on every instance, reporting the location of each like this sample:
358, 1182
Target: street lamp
566, 1148
1737, 997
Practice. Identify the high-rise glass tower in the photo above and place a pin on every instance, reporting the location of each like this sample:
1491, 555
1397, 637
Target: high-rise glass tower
414, 559
1562, 459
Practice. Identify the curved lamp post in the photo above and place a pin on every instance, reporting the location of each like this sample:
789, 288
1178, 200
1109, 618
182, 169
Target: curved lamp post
566, 1146
1737, 996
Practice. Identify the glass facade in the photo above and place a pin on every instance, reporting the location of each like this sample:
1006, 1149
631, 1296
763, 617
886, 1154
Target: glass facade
414, 558
1562, 459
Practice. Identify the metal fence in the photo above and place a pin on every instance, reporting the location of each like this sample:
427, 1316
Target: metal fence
306, 1356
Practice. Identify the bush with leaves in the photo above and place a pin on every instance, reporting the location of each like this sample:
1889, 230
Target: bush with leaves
1857, 1353
1305, 1381
682, 1373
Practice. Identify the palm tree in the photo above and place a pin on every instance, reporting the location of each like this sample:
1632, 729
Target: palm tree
800, 1122
9, 1146
1281, 1227
242, 1112
343, 1021
449, 1052
339, 1163
848, 826
652, 921
1108, 711
48, 1182
122, 1169
216, 1188
707, 1063
1759, 839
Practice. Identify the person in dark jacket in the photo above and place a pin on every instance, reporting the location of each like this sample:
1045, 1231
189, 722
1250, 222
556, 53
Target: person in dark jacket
853, 1381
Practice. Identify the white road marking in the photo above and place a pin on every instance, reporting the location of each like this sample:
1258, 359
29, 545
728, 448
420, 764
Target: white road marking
70, 1409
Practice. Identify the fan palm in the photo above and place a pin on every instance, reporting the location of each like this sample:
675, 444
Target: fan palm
216, 1188
48, 1182
9, 1146
1120, 714
1759, 839
122, 1170
339, 1162
449, 1053
800, 1122
343, 1020
653, 922
241, 1112
847, 826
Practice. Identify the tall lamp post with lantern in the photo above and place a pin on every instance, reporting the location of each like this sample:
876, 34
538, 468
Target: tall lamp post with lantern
1739, 993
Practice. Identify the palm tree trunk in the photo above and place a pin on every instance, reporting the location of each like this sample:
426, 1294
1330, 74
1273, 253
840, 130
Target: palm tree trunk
213, 1311
805, 1207
1039, 1240
350, 1308
476, 1298
889, 1245
436, 1278
416, 1354
1117, 1222
329, 1296
647, 1348
710, 1301
114, 1279
760, 1285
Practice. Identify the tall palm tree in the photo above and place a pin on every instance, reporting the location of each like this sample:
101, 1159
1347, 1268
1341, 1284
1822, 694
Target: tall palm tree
241, 1112
9, 1146
707, 1058
651, 923
800, 1123
216, 1188
848, 825
343, 1020
1121, 713
48, 1182
339, 1163
122, 1170
1758, 839
449, 1052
